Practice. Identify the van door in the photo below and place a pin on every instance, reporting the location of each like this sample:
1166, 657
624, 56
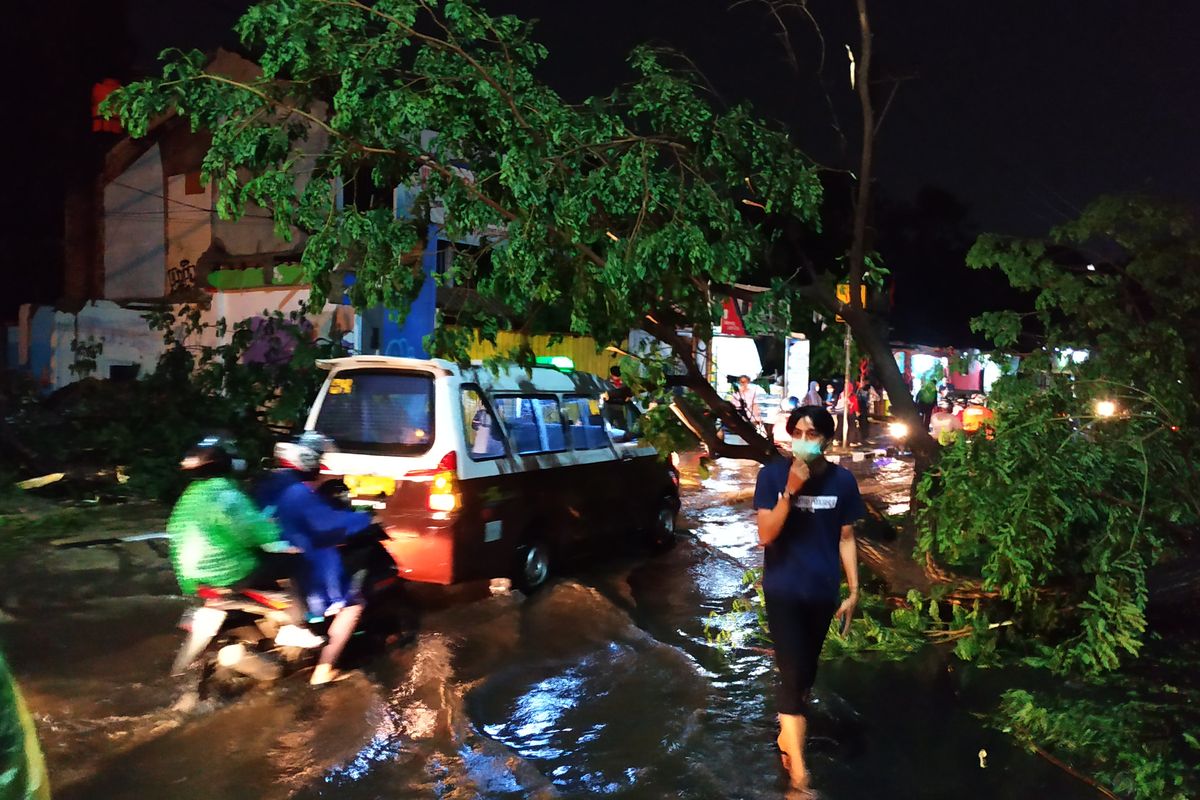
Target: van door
644, 478
493, 514
552, 486
602, 493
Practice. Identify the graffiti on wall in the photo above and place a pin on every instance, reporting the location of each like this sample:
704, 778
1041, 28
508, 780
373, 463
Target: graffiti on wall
182, 277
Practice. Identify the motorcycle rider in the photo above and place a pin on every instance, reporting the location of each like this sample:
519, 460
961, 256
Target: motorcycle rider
217, 534
312, 524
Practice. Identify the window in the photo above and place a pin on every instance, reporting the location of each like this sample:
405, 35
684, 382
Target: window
534, 423
623, 421
379, 411
585, 423
483, 435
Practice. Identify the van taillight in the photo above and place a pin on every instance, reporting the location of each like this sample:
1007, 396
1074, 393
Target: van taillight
443, 489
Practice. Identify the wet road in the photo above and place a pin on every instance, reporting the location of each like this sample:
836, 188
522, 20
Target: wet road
603, 683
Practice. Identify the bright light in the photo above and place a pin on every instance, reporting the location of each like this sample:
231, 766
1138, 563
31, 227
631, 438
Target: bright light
558, 362
1091, 267
1106, 408
898, 430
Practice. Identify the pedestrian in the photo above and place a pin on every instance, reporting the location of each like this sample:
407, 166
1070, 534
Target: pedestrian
926, 399
864, 411
806, 508
852, 432
620, 393
838, 411
813, 398
829, 396
745, 399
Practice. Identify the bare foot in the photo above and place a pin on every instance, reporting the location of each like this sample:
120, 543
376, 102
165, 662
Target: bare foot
324, 674
797, 780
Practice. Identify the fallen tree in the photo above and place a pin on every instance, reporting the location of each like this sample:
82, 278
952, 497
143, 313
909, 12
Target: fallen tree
625, 211
1085, 496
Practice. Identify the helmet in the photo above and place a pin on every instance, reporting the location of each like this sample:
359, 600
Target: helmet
212, 456
307, 452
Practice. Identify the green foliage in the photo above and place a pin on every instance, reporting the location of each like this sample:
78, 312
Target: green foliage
882, 628
597, 213
218, 387
22, 769
1062, 511
127, 437
1133, 738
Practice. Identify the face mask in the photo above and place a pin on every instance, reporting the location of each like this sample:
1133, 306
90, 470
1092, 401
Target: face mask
806, 450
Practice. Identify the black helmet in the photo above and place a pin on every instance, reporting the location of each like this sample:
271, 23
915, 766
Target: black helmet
211, 457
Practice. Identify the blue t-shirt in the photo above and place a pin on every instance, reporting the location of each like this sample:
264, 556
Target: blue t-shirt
803, 561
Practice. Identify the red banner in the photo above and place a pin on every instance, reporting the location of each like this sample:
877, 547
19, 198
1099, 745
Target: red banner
731, 319
100, 91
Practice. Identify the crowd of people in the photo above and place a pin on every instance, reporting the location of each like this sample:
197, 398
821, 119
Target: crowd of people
943, 412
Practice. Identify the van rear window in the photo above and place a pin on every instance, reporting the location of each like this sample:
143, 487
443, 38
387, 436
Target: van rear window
379, 411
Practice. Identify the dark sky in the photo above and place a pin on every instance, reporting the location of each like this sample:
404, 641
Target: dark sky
1022, 109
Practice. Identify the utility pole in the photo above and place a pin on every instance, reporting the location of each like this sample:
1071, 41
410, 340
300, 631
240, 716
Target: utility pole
846, 390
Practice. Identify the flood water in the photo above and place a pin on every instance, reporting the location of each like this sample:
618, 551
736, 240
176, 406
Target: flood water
604, 683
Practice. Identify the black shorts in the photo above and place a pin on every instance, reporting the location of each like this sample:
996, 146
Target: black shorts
798, 628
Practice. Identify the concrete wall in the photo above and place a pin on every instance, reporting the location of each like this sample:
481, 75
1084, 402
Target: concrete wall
127, 341
134, 252
44, 335
189, 230
254, 232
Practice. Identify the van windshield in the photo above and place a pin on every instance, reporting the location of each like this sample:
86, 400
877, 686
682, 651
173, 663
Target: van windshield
379, 411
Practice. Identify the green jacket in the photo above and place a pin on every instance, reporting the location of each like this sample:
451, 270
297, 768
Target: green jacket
928, 392
216, 534
22, 770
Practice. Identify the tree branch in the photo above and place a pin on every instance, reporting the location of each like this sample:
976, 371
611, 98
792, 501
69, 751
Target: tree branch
756, 448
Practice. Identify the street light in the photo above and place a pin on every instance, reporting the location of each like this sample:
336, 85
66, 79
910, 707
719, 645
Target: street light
1106, 408
898, 430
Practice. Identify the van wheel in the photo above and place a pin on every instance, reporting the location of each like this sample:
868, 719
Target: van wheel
661, 536
533, 566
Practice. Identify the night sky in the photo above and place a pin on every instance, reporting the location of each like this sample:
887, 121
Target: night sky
1019, 111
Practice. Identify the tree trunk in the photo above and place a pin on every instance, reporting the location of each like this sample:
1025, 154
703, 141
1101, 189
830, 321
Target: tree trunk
756, 448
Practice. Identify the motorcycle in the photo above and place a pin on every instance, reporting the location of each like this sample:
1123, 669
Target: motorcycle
232, 634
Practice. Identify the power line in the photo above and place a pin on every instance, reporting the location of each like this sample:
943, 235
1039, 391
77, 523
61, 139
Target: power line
183, 203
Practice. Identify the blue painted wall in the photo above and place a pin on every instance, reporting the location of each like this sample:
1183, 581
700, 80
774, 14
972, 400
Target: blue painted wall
382, 333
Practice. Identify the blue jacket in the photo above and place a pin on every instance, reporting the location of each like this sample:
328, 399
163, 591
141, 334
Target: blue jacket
308, 522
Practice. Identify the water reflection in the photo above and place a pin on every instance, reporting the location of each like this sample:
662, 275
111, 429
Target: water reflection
604, 724
535, 720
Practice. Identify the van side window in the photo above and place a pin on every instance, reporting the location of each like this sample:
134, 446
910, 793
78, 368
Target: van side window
483, 435
534, 423
623, 421
585, 423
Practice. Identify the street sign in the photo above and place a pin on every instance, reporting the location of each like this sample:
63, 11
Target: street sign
843, 295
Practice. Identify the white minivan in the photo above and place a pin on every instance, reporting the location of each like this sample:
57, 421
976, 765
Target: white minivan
480, 475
